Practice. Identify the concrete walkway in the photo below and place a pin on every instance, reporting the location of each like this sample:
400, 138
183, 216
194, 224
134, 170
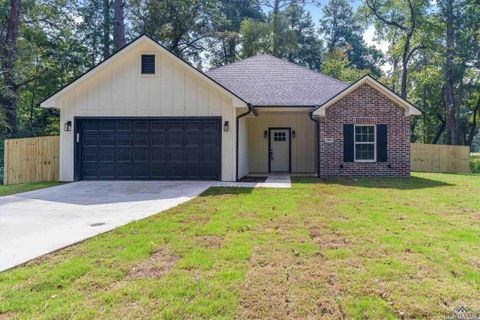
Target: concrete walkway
38, 222
273, 181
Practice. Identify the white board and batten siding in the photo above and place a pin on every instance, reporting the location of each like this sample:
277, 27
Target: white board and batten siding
121, 90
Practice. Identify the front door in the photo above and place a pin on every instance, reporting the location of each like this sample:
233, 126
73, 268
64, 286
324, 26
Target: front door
279, 150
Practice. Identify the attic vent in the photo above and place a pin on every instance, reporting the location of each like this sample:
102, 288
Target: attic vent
148, 64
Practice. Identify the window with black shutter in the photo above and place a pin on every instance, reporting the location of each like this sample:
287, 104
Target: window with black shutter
148, 64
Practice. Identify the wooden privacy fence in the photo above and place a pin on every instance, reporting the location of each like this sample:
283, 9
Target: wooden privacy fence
31, 160
439, 158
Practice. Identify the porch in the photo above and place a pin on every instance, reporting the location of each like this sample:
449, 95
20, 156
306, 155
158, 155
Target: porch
277, 140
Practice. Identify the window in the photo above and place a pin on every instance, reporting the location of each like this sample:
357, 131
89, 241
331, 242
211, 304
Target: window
148, 64
365, 144
279, 136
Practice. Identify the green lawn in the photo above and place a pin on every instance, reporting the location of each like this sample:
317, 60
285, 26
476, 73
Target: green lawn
344, 248
24, 187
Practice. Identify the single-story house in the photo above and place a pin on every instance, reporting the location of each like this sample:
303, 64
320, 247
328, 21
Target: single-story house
144, 113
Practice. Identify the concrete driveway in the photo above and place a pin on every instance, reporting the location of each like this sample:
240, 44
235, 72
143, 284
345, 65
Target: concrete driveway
42, 221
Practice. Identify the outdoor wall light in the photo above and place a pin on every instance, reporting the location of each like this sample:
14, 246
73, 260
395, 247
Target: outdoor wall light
225, 126
67, 126
265, 134
293, 134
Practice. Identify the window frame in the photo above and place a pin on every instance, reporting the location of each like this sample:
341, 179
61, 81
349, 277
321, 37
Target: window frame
149, 75
374, 142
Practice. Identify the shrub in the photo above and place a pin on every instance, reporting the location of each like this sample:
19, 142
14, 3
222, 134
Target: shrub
475, 164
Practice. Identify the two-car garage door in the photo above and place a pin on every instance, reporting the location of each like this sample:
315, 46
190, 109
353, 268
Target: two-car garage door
148, 148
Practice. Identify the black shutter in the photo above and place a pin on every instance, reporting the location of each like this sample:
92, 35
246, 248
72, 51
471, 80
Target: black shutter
348, 142
148, 64
382, 154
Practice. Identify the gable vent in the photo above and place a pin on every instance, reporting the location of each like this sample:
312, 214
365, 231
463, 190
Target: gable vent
148, 64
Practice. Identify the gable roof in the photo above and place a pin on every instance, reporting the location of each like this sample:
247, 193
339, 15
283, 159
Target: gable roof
410, 109
264, 80
46, 103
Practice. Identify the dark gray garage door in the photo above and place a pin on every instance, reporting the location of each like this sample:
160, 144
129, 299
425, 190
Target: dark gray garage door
149, 149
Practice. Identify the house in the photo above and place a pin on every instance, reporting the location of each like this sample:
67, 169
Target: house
144, 113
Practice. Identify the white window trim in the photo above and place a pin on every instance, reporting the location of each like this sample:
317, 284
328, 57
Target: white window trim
374, 143
146, 75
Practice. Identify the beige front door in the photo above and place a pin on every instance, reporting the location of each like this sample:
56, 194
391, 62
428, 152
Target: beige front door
279, 150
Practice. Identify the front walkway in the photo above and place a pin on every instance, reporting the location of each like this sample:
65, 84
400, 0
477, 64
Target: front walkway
273, 181
38, 222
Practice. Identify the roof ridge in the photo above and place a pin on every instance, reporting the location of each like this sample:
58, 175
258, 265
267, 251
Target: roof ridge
237, 62
283, 60
307, 69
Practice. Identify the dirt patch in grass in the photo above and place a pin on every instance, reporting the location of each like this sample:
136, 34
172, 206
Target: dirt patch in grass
328, 240
155, 266
210, 241
195, 219
283, 285
7, 316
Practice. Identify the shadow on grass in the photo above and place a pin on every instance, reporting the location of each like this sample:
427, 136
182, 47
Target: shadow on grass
215, 191
400, 183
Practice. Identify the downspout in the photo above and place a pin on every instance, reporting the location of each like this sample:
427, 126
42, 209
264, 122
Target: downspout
317, 141
249, 111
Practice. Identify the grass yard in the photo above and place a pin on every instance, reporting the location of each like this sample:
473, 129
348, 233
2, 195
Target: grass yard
24, 187
339, 249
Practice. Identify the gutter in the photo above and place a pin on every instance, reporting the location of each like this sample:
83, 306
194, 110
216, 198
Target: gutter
317, 140
250, 110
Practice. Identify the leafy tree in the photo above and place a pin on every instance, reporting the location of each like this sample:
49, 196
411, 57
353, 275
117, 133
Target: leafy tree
255, 38
227, 25
337, 65
297, 42
183, 26
399, 20
303, 45
341, 29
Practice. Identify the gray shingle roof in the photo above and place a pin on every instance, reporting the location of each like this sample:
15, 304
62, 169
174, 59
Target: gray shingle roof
264, 80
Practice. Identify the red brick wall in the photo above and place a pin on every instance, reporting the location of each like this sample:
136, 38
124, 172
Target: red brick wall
365, 105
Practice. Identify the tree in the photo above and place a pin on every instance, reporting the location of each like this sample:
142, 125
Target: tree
403, 17
297, 42
276, 6
337, 65
342, 30
183, 26
9, 97
119, 24
226, 28
255, 38
95, 27
302, 45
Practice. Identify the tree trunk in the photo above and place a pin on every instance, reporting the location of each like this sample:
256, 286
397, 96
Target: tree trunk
450, 108
106, 29
404, 78
119, 25
276, 27
10, 98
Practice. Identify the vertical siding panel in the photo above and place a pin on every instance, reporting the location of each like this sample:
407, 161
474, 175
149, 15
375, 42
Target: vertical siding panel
167, 85
213, 102
179, 90
202, 95
190, 96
